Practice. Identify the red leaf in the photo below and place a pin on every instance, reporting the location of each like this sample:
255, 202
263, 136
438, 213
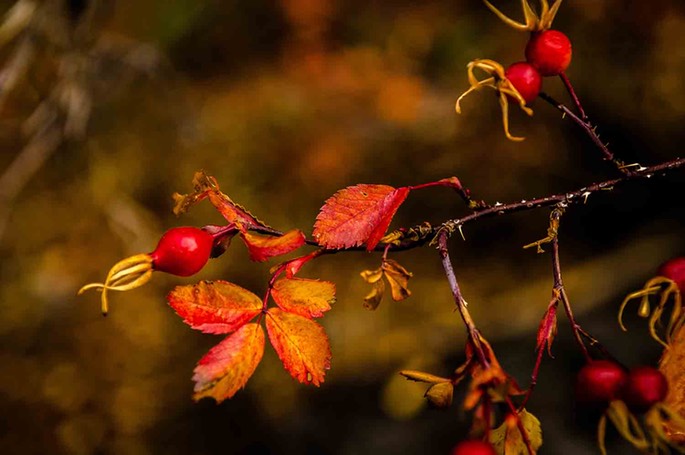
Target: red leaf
301, 344
547, 329
214, 306
226, 368
308, 298
358, 214
293, 266
263, 247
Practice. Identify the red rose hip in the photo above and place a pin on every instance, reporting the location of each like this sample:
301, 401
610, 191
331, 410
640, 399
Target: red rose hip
526, 79
644, 387
674, 270
182, 251
473, 447
599, 382
549, 51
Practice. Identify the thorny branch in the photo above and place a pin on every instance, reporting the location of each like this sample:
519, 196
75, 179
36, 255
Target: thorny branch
590, 130
419, 235
459, 299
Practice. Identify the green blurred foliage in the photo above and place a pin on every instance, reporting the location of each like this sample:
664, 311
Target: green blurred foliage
285, 102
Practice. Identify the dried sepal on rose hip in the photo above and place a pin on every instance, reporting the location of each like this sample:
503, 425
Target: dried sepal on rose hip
181, 251
520, 83
547, 50
668, 286
534, 22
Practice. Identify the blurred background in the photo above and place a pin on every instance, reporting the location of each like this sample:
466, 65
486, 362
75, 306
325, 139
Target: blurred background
107, 108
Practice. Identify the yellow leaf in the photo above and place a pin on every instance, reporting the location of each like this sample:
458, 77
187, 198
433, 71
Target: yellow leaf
440, 394
301, 344
308, 298
420, 376
507, 440
398, 277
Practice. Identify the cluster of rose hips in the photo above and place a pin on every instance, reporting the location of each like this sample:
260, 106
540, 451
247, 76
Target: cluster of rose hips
600, 382
548, 53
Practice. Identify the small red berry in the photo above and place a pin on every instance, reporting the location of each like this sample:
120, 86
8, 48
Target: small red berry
644, 387
182, 251
549, 51
674, 270
599, 382
473, 447
525, 79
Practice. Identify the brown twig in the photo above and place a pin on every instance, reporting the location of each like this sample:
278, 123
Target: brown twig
459, 299
590, 130
574, 97
559, 285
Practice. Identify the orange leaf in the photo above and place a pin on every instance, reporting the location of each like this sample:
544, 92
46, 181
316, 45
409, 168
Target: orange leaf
263, 247
308, 298
214, 306
671, 365
226, 368
301, 344
358, 214
206, 186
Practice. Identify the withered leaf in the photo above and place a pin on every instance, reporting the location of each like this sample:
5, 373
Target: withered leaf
440, 394
671, 365
420, 376
398, 278
206, 187
506, 439
396, 275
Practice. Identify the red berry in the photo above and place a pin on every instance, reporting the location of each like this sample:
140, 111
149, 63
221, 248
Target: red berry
549, 51
674, 270
599, 382
473, 447
525, 79
182, 251
644, 387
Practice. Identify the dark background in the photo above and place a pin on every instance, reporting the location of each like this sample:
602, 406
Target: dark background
118, 103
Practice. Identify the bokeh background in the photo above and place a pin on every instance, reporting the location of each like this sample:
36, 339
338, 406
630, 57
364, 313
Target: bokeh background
109, 107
